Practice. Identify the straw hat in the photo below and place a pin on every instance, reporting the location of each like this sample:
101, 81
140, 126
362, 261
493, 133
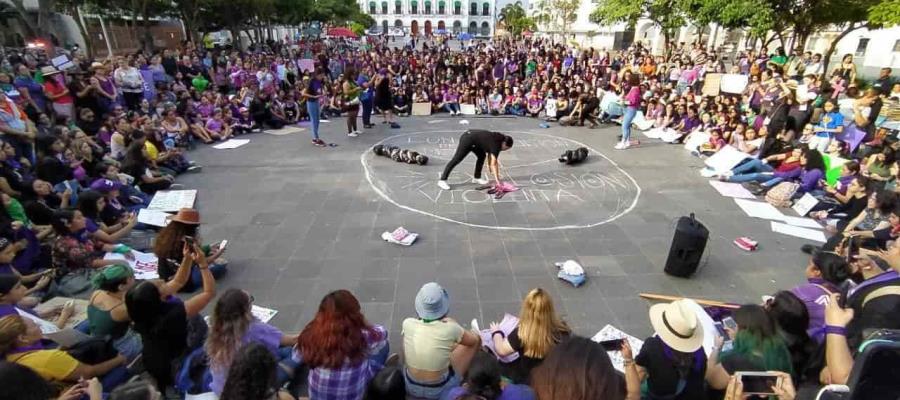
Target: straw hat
188, 216
677, 325
49, 70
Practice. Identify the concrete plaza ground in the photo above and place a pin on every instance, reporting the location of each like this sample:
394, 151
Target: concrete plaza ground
302, 221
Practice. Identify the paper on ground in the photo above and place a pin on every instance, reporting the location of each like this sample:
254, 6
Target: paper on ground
725, 159
731, 189
435, 121
407, 241
610, 332
802, 222
805, 233
153, 217
145, 265
173, 200
759, 209
695, 140
262, 313
804, 204
231, 144
79, 312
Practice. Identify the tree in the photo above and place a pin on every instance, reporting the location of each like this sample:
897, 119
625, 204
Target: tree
558, 14
667, 14
514, 19
886, 13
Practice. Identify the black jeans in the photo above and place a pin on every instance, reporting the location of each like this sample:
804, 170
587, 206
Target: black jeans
466, 146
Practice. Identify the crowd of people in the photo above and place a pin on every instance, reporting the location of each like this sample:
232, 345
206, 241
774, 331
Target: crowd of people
85, 147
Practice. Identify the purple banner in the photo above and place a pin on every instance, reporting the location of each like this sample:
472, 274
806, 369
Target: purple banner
149, 85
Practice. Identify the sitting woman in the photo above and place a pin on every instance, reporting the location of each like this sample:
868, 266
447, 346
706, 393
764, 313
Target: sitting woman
754, 169
184, 227
482, 105
450, 101
232, 327
824, 273
849, 206
106, 312
20, 343
534, 102
483, 380
361, 353
875, 216
685, 126
580, 369
162, 321
432, 343
91, 203
792, 323
13, 298
812, 170
540, 328
76, 256
756, 346
138, 165
253, 376
878, 167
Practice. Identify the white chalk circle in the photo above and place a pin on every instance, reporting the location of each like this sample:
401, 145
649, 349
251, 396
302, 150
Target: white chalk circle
551, 196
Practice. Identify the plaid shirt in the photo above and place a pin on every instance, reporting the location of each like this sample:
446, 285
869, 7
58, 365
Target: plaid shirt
348, 382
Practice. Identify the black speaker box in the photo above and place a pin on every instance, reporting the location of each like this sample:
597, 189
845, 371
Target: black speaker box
687, 247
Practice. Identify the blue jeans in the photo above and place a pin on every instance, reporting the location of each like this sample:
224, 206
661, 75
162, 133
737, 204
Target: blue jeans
451, 107
367, 105
313, 108
217, 271
630, 113
287, 365
751, 170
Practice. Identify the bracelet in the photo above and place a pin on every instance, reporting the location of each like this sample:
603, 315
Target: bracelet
835, 330
502, 335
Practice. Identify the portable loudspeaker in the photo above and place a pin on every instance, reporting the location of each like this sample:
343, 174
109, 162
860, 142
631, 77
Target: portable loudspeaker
687, 247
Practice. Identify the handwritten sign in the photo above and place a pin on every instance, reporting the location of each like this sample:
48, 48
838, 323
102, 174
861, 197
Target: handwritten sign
711, 84
144, 265
173, 200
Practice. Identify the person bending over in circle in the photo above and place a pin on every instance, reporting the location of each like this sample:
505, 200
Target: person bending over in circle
484, 144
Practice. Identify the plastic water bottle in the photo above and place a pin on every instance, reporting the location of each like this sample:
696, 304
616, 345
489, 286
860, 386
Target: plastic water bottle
544, 125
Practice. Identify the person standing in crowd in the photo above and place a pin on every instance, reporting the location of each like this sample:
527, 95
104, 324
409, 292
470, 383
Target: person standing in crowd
632, 103
312, 94
366, 98
130, 82
384, 100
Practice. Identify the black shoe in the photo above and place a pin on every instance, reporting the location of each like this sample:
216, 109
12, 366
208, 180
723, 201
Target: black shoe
759, 190
810, 249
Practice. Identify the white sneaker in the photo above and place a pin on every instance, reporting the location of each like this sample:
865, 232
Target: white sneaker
480, 181
443, 185
621, 146
353, 134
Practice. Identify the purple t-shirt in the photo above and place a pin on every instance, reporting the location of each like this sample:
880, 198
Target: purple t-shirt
814, 296
259, 332
510, 392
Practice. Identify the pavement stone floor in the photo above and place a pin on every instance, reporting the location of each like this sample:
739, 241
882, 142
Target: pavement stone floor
302, 221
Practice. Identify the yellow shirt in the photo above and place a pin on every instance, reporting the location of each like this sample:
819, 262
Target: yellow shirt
152, 151
427, 346
52, 365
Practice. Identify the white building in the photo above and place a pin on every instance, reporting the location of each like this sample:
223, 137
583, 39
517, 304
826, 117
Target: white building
425, 17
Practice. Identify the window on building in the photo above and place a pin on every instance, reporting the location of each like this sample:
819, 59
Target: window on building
398, 7
473, 10
861, 47
427, 7
414, 7
442, 7
486, 9
457, 7
384, 7
372, 8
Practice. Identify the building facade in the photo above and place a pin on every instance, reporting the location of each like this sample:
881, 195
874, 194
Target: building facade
429, 17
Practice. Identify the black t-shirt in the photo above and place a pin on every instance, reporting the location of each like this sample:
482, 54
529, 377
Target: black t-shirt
519, 371
663, 375
165, 342
487, 141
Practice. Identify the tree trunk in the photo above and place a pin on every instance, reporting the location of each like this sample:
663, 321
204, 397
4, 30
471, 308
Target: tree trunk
147, 37
826, 58
88, 46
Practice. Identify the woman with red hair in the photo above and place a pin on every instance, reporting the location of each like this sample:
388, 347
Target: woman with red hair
342, 350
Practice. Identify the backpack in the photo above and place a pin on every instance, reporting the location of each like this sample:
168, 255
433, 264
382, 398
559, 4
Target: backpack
781, 194
194, 376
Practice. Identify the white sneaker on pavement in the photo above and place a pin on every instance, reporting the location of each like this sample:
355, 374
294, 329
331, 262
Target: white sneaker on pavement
480, 181
353, 134
443, 185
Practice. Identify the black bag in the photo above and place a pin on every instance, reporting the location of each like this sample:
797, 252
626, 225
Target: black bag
687, 247
93, 351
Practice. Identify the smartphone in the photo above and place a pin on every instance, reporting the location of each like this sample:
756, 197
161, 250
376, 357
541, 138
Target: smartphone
612, 345
758, 383
222, 244
852, 249
729, 323
189, 240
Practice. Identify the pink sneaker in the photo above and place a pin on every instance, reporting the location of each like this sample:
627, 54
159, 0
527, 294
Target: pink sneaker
746, 243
